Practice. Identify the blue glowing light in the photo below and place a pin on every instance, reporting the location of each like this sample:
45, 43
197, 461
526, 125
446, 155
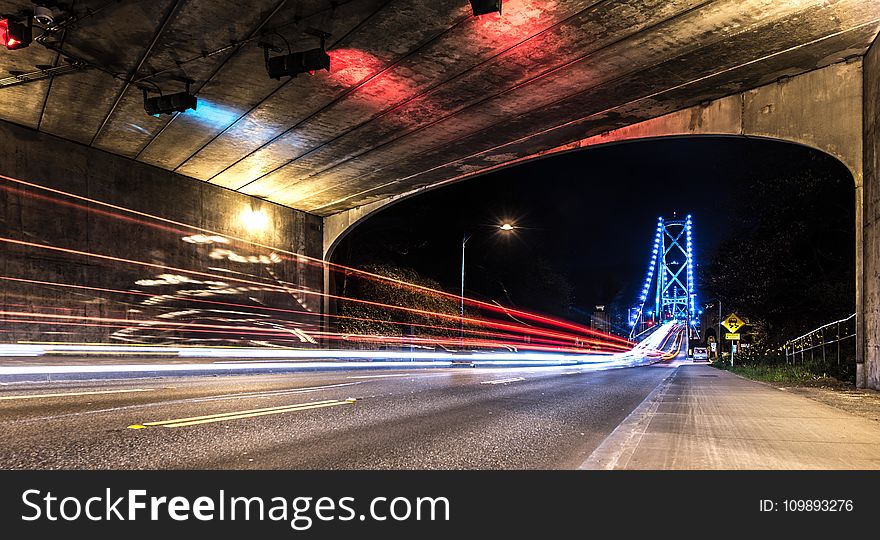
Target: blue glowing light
214, 115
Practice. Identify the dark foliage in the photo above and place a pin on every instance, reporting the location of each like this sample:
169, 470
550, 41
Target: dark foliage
789, 265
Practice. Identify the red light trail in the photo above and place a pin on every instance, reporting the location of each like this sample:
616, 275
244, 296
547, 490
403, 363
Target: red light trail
325, 264
470, 320
481, 332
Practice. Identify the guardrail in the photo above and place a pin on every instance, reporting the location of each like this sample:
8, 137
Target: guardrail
833, 333
643, 334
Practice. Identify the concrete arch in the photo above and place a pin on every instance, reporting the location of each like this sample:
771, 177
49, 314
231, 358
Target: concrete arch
367, 211
821, 109
826, 109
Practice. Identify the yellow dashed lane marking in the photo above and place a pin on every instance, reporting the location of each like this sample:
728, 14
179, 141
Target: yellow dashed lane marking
222, 417
69, 394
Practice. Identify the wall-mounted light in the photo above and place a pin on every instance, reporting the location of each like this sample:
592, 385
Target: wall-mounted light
255, 219
43, 12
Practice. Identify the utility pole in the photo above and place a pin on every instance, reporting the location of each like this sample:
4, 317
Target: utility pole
505, 227
464, 240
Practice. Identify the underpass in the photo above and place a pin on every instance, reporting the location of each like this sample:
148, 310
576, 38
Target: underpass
169, 286
671, 414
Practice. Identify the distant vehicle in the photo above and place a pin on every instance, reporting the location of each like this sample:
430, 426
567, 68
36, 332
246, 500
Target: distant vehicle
700, 353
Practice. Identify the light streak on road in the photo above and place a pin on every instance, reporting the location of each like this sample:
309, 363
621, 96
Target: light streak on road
74, 394
480, 322
332, 358
515, 332
73, 320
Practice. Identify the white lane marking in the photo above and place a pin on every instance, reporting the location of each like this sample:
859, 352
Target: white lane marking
380, 376
503, 381
69, 394
620, 445
159, 404
410, 375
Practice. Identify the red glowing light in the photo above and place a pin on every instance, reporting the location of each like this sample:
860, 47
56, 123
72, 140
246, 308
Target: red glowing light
8, 30
517, 15
353, 66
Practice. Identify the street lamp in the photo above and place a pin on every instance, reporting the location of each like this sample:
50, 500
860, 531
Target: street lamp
506, 227
718, 339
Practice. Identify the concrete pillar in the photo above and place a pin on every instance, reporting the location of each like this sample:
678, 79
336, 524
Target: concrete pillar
868, 376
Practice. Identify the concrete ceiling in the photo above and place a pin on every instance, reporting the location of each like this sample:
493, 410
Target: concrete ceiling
420, 91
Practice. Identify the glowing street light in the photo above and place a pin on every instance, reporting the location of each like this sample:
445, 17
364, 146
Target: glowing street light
506, 227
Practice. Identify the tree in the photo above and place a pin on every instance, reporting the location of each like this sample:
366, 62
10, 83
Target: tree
790, 265
371, 319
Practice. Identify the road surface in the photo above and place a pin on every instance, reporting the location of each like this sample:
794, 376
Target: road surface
534, 418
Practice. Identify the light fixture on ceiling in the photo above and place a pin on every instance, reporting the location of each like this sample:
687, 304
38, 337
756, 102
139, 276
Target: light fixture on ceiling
172, 103
484, 7
43, 12
14, 34
292, 64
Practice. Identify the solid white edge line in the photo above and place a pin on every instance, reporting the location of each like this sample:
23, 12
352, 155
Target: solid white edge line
626, 437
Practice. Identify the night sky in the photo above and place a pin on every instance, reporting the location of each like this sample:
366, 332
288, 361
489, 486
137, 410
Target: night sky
591, 214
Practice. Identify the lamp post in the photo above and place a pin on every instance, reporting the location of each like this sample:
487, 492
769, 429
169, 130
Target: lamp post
506, 227
719, 340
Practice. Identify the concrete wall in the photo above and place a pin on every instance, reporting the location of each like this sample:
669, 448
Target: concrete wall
870, 374
26, 215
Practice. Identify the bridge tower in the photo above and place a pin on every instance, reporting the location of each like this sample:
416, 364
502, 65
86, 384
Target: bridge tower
670, 276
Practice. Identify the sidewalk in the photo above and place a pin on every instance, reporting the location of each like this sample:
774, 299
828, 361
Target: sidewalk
705, 418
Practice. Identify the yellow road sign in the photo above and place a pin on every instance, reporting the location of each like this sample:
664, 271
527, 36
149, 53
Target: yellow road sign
731, 336
733, 323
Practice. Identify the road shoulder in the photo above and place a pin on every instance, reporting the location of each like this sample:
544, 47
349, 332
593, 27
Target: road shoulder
703, 418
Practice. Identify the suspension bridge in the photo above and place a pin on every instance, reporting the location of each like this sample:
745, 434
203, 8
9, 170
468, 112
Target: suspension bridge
669, 291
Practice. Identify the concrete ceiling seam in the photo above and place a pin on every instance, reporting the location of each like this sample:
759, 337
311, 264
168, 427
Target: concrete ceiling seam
276, 137
336, 100
500, 93
489, 128
165, 20
420, 94
275, 91
236, 48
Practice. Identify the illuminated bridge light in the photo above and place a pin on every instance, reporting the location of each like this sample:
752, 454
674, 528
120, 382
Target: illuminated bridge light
674, 280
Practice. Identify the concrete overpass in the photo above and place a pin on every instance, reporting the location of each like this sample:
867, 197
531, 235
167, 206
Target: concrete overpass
421, 94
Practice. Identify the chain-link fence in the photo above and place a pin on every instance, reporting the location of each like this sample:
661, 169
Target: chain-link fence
828, 343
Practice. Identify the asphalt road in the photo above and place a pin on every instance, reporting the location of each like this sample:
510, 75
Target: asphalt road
532, 418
